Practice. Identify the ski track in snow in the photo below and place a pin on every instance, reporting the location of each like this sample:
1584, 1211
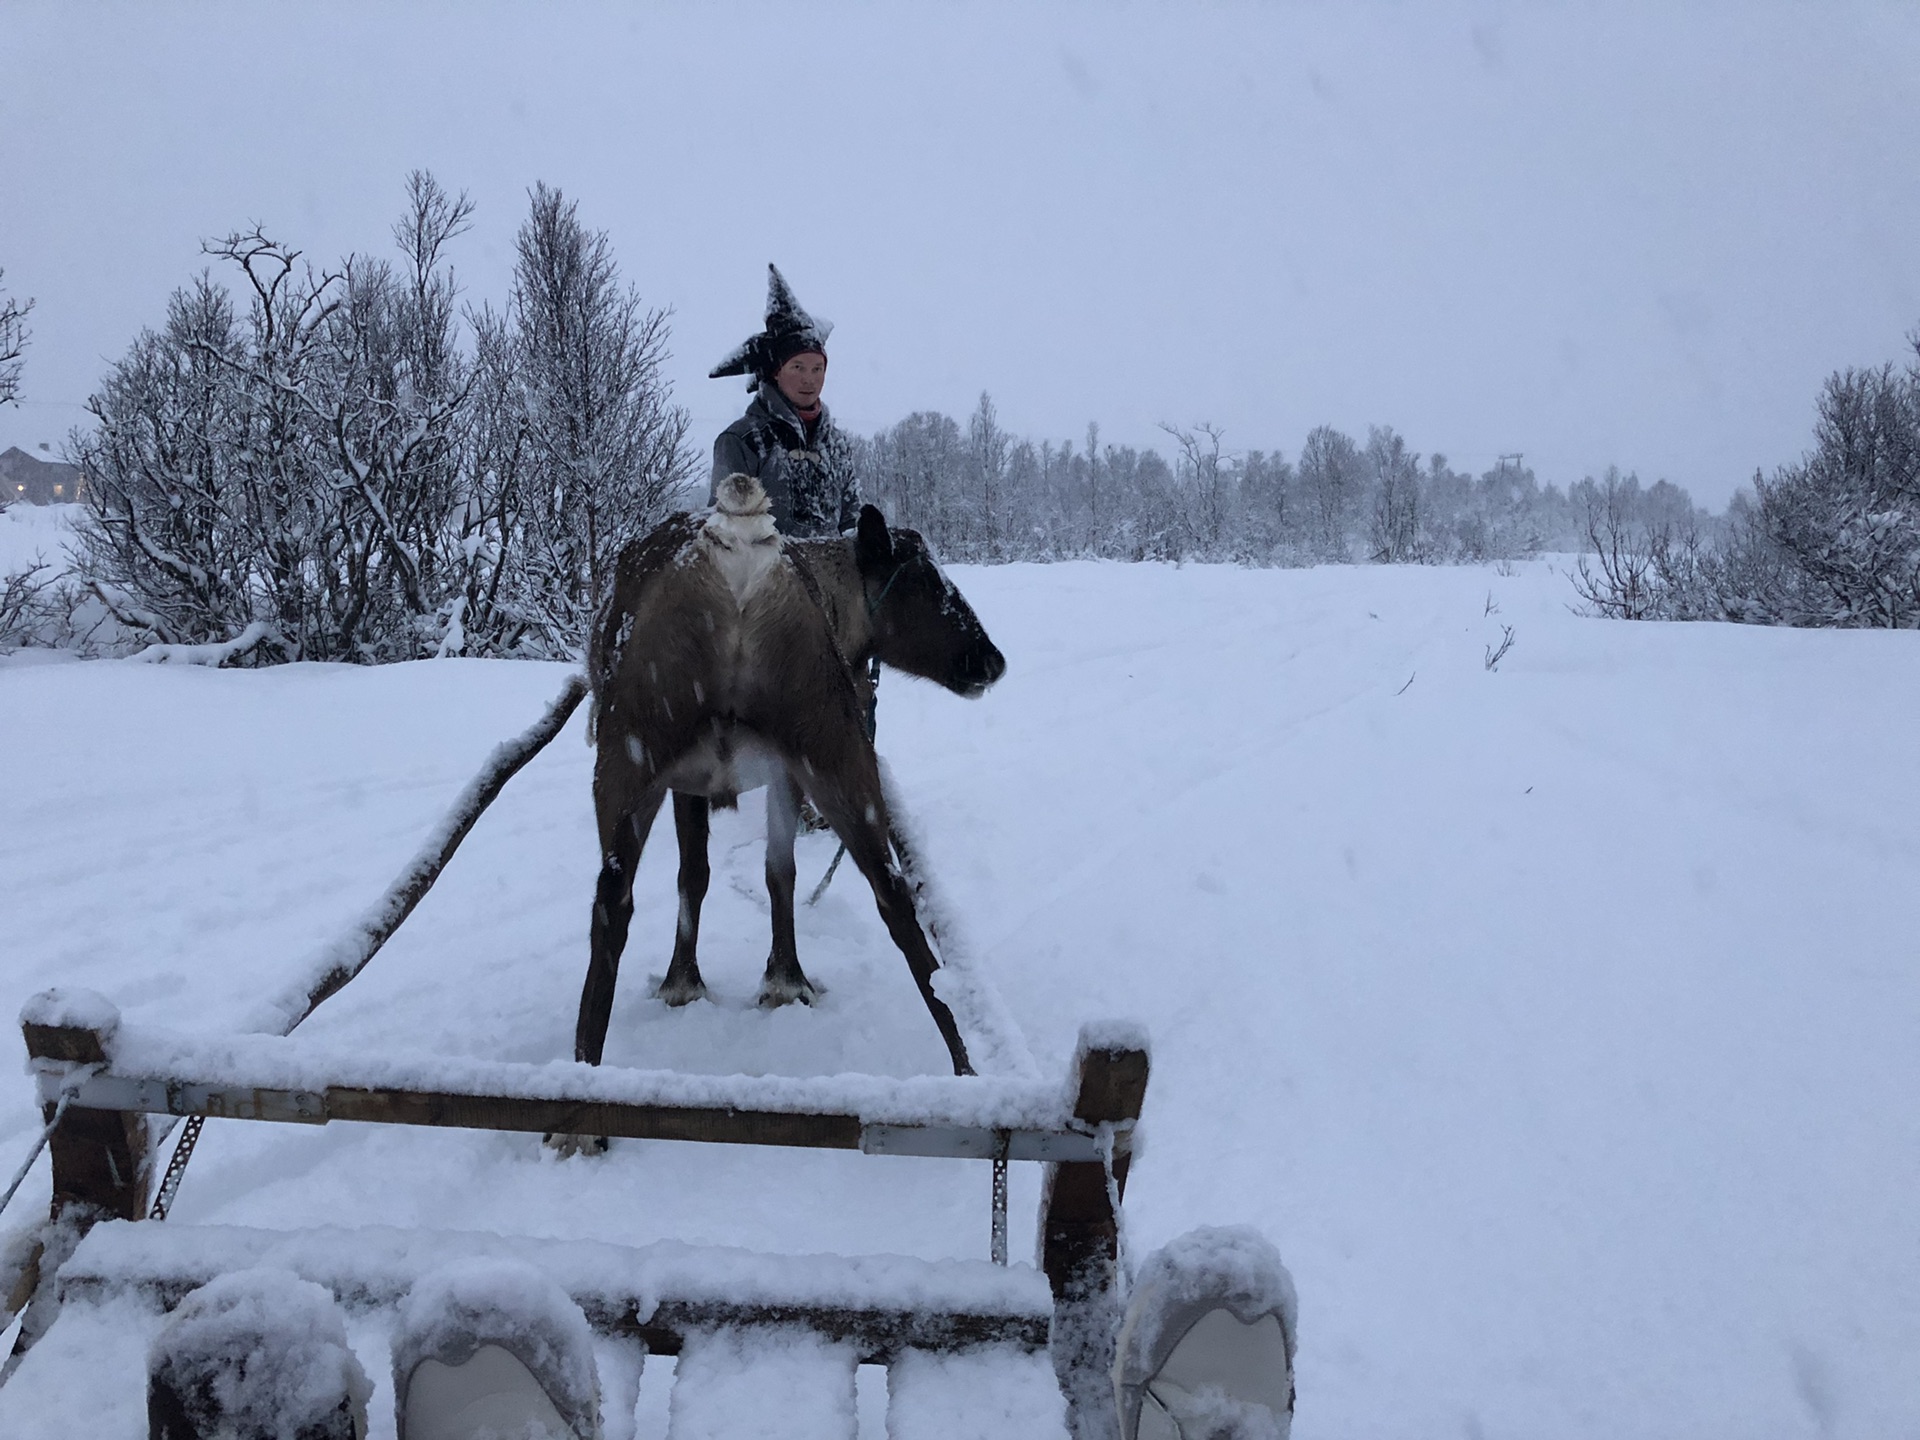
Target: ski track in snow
1557, 1023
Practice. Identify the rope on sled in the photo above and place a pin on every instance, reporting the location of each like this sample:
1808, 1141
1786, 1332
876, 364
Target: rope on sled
1103, 1140
20, 1175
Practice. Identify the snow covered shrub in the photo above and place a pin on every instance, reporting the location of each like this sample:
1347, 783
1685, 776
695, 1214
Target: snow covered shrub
167, 540
331, 466
40, 605
1843, 523
1629, 574
291, 466
23, 605
1831, 540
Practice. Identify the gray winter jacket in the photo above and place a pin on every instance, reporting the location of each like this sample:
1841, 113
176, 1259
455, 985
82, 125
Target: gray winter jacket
811, 483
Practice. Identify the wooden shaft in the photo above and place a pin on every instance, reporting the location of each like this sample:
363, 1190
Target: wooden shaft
411, 887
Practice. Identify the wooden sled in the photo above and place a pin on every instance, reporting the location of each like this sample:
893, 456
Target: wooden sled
953, 1335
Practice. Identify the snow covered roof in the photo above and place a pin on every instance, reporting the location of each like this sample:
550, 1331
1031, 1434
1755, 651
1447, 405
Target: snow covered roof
36, 481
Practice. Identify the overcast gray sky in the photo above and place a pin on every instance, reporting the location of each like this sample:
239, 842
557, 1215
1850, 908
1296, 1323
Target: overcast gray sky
1597, 234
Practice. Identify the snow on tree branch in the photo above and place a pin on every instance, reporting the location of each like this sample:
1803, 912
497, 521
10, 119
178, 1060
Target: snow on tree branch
13, 343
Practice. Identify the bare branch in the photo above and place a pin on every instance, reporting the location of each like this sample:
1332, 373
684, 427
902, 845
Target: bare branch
13, 344
1495, 656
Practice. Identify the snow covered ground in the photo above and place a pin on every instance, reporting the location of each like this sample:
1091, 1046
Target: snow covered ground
1557, 1022
33, 533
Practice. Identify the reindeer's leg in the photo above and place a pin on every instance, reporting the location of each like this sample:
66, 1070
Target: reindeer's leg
626, 804
784, 982
612, 910
855, 807
683, 983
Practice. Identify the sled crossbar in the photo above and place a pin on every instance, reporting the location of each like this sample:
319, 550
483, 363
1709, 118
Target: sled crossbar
284, 1080
658, 1294
719, 1123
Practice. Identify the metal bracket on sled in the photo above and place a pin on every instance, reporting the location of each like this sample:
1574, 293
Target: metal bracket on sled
968, 1143
185, 1097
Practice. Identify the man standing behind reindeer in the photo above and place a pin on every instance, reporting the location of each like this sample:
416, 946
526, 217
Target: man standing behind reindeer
786, 440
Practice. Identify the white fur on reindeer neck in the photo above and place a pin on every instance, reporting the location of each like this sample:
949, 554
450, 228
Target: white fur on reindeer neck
739, 535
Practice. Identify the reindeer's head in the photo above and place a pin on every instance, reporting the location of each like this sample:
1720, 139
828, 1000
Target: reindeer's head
921, 623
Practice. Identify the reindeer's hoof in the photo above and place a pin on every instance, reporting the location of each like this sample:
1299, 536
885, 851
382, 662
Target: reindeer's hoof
566, 1145
681, 992
775, 993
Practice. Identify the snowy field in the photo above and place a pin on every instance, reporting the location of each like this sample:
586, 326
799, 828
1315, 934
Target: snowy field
1558, 1023
33, 533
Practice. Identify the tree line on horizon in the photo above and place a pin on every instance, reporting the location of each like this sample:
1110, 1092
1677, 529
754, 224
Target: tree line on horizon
985, 496
350, 464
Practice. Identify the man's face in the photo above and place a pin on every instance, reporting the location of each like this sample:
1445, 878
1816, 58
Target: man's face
801, 378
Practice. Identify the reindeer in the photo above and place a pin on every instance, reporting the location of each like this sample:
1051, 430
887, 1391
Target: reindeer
730, 657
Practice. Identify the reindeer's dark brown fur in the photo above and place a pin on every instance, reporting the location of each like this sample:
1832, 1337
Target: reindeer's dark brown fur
706, 690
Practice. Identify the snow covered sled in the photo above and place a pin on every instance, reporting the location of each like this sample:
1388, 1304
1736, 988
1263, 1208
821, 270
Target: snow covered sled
955, 1335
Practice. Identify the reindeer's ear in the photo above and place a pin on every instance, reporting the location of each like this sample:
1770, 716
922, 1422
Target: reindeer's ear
873, 542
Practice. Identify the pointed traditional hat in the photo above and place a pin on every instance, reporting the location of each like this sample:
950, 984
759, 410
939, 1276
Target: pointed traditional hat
790, 331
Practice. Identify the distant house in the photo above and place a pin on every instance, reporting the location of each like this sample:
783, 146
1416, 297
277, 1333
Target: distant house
38, 482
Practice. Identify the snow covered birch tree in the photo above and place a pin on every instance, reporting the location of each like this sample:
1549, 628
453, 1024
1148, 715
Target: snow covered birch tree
987, 452
172, 475
912, 470
1396, 529
1090, 543
391, 411
1207, 489
1330, 474
593, 446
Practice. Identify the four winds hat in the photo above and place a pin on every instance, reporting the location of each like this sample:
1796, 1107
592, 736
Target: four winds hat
790, 331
